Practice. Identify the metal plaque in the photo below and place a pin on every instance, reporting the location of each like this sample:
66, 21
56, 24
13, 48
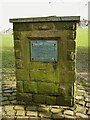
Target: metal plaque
45, 51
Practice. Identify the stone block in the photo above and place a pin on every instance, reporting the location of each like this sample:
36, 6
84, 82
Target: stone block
31, 113
57, 116
47, 88
43, 26
17, 54
88, 104
71, 65
81, 115
71, 55
66, 90
10, 113
24, 97
17, 45
12, 98
31, 108
88, 111
9, 108
22, 118
22, 27
56, 110
30, 87
71, 45
43, 108
19, 85
19, 64
68, 101
65, 26
81, 109
69, 112
45, 114
50, 100
19, 107
39, 98
20, 113
71, 35
17, 35
22, 74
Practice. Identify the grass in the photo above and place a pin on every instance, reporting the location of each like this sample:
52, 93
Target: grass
82, 50
8, 60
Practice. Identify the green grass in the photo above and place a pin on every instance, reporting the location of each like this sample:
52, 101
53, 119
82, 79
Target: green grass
82, 50
8, 60
82, 37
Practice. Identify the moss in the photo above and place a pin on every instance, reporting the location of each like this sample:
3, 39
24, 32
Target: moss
30, 87
48, 88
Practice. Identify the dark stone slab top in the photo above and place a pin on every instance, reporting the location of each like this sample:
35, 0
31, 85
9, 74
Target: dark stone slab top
45, 19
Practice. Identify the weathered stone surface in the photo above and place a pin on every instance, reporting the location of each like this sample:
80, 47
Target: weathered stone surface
30, 87
31, 118
22, 74
55, 110
80, 92
19, 63
52, 88
81, 115
31, 113
10, 113
79, 97
19, 107
6, 103
24, 97
31, 108
39, 98
20, 113
22, 27
22, 117
43, 26
68, 117
45, 114
57, 116
69, 112
4, 98
18, 54
19, 85
88, 104
9, 108
71, 45
17, 45
88, 111
40, 84
50, 100
43, 109
17, 35
65, 25
81, 109
12, 98
64, 101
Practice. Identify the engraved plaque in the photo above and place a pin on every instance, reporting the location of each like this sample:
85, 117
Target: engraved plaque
44, 51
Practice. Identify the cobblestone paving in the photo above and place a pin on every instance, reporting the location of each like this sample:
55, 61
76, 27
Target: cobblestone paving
12, 110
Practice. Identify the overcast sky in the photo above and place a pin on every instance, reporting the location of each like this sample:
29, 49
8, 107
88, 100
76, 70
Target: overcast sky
31, 8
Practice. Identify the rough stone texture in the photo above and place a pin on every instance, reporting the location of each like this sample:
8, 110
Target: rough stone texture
41, 79
20, 113
19, 107
69, 112
31, 108
78, 111
31, 113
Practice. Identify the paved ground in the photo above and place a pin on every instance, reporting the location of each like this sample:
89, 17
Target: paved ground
11, 109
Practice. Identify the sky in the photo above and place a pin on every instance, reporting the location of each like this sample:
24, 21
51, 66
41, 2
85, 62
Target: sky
40, 8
